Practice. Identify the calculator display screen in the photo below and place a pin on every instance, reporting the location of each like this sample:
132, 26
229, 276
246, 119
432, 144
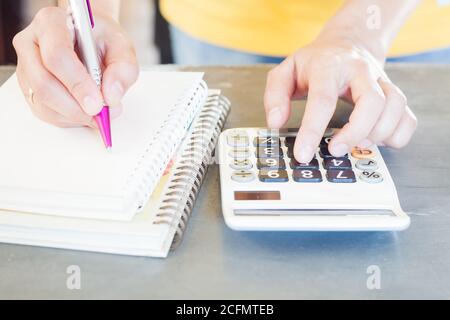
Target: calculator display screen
256, 195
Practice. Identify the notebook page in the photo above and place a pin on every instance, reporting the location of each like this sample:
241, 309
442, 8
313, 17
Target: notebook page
41, 157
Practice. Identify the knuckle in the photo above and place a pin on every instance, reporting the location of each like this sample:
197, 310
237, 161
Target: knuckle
18, 41
130, 73
79, 86
379, 134
41, 88
44, 14
398, 142
399, 99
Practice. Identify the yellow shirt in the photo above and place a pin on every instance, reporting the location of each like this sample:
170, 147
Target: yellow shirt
279, 27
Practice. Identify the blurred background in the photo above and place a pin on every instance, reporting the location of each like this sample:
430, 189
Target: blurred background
17, 14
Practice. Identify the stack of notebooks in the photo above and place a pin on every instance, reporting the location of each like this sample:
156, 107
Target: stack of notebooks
60, 188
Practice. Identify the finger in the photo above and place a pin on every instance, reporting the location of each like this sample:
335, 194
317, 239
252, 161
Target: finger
121, 69
393, 111
280, 87
404, 131
48, 115
369, 104
56, 45
47, 89
116, 111
323, 95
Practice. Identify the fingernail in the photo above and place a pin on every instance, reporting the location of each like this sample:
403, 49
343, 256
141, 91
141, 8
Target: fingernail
304, 154
116, 111
340, 150
275, 118
115, 94
92, 106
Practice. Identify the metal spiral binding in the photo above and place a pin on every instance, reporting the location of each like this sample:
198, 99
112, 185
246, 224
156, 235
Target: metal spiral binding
143, 178
195, 158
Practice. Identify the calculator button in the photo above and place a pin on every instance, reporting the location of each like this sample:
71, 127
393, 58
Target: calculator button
359, 153
267, 141
289, 141
371, 177
269, 152
241, 164
238, 139
325, 141
341, 176
239, 153
313, 165
307, 176
325, 153
243, 176
337, 164
271, 163
367, 165
273, 176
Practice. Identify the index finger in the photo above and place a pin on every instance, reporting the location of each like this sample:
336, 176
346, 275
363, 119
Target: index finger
280, 87
56, 44
323, 95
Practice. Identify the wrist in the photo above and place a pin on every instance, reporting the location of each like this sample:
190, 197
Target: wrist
353, 36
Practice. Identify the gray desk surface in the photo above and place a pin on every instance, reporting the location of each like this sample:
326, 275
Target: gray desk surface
215, 262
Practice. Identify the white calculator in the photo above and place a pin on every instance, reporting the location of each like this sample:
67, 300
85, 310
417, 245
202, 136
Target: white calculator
264, 188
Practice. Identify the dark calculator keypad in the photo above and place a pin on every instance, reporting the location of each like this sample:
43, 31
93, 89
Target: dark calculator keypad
271, 163
273, 176
275, 167
337, 164
307, 176
313, 165
341, 176
269, 152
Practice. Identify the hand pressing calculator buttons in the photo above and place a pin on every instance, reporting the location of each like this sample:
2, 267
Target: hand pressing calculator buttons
350, 193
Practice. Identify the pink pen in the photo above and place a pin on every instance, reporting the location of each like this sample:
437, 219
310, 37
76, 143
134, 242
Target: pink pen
84, 23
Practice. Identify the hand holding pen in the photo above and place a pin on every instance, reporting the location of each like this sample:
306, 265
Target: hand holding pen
51, 74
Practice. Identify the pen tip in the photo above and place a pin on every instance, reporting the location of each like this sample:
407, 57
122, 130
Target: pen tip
104, 126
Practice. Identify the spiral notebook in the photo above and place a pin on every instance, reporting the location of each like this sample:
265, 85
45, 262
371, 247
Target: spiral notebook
68, 172
157, 228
